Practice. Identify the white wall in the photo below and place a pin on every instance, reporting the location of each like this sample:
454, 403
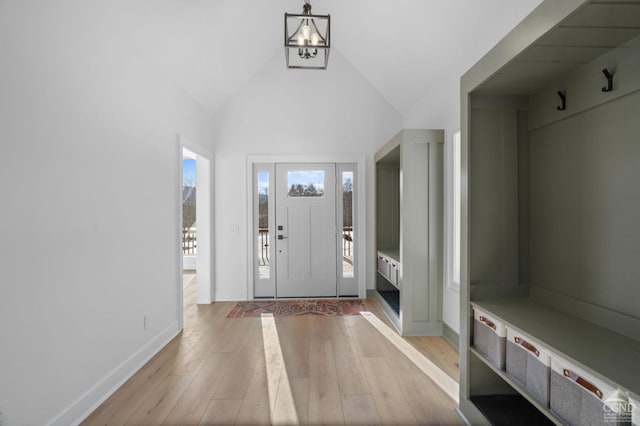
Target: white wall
282, 112
88, 175
437, 109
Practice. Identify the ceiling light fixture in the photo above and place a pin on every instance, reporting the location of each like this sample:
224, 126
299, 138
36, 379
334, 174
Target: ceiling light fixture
307, 46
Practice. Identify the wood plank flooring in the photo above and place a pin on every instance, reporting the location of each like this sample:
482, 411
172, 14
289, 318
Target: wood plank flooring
283, 371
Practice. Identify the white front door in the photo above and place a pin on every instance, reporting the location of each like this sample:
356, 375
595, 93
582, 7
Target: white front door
306, 232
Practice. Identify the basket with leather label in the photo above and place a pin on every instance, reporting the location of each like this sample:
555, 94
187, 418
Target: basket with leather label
529, 363
489, 336
578, 397
383, 265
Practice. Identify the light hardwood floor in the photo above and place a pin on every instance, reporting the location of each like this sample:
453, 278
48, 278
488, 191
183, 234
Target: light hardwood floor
282, 371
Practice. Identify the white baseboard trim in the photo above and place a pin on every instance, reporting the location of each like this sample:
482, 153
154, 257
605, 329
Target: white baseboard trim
433, 328
451, 336
86, 404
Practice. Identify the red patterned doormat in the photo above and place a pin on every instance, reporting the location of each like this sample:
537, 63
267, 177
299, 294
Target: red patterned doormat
292, 308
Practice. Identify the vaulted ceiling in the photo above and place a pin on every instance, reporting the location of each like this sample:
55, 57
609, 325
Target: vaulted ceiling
407, 49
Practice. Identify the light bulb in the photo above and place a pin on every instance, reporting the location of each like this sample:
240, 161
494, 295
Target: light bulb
300, 40
306, 31
315, 38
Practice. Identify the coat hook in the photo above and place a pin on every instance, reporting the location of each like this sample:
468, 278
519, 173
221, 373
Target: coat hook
564, 101
609, 76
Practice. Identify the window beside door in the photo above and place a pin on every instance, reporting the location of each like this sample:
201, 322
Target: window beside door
263, 261
347, 224
452, 213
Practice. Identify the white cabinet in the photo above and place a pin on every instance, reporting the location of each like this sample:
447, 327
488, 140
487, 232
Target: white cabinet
409, 190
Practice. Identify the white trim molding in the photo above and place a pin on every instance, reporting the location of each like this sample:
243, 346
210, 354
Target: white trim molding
94, 397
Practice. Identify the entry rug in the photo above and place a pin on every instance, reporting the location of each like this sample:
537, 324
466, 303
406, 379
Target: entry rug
292, 308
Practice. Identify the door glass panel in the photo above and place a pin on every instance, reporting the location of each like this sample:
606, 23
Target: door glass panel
347, 224
264, 268
305, 183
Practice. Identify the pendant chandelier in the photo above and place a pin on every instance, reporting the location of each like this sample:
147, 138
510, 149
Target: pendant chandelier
306, 39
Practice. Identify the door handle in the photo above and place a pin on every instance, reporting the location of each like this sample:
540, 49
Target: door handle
281, 237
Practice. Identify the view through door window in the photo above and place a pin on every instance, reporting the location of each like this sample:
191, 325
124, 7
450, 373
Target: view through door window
307, 183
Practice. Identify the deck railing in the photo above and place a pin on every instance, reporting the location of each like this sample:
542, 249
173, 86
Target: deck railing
264, 241
189, 242
347, 243
263, 246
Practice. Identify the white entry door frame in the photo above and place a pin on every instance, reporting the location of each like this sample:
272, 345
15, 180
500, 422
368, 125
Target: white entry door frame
306, 230
268, 162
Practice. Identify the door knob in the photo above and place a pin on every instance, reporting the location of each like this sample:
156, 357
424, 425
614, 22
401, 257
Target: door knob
281, 237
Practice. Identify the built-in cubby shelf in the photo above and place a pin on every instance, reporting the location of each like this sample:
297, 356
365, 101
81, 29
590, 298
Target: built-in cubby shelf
595, 349
549, 235
598, 350
409, 230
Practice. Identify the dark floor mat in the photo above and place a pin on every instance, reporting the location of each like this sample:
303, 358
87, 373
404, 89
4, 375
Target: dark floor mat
392, 297
509, 410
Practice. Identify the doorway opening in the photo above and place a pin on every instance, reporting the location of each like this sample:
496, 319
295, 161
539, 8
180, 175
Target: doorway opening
196, 253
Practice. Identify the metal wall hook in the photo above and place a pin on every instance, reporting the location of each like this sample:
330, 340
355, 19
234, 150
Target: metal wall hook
609, 86
563, 97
